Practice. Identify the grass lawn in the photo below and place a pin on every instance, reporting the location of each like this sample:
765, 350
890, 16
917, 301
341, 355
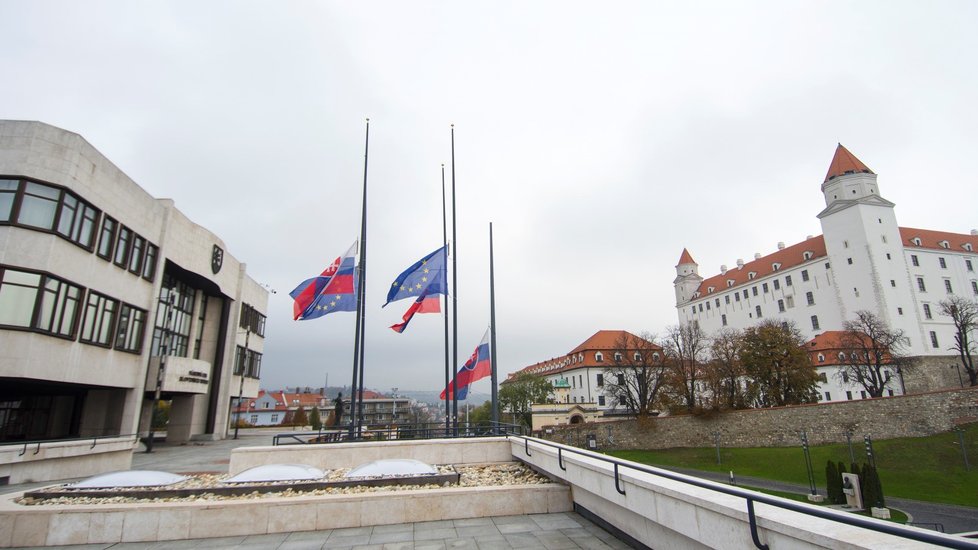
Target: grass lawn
923, 468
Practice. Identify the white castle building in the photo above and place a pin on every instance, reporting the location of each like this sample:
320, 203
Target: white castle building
863, 261
97, 278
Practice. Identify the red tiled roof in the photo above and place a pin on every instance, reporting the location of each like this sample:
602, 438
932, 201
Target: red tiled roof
788, 257
829, 344
685, 258
844, 162
933, 239
604, 341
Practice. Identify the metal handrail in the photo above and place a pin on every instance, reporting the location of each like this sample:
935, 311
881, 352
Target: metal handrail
38, 442
752, 497
403, 432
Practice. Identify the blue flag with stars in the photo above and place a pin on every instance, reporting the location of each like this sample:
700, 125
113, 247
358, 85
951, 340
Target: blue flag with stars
428, 276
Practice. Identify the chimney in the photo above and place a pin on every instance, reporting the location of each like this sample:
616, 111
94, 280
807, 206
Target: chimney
723, 269
780, 245
757, 255
740, 263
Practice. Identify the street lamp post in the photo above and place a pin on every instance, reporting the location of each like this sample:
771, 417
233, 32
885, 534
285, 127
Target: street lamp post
394, 405
244, 367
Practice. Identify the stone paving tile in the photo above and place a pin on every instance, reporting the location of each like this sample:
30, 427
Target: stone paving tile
309, 535
429, 545
399, 546
393, 528
590, 543
548, 523
134, 546
492, 543
461, 544
504, 520
440, 524
472, 522
478, 531
346, 542
555, 540
576, 532
511, 528
268, 540
435, 534
384, 538
351, 531
523, 540
300, 545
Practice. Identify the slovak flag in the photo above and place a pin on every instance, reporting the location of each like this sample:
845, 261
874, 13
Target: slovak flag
333, 290
423, 281
477, 367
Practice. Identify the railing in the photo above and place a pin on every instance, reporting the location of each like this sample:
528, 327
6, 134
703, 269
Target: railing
751, 497
36, 443
409, 431
939, 527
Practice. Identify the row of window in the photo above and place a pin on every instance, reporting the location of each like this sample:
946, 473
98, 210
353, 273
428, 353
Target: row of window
942, 262
253, 320
50, 305
948, 287
247, 361
787, 301
44, 207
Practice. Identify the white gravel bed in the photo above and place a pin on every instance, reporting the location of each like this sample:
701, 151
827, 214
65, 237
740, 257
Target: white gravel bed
470, 476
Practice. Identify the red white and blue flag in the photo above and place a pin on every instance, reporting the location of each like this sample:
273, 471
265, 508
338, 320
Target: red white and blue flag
333, 290
423, 281
477, 367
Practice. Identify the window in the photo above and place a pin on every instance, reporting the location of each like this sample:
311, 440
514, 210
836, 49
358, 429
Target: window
974, 286
781, 306
254, 419
899, 311
701, 308
122, 245
618, 357
129, 334
97, 326
807, 255
621, 379
183, 297
889, 392
745, 293
717, 302
708, 306
39, 205
41, 302
828, 265
600, 382
933, 339
927, 314
845, 244
968, 266
764, 287
76, 221
942, 263
49, 208
810, 297
598, 356
849, 395
821, 358
947, 286
789, 301
149, 266
828, 396
637, 356
888, 256
804, 275
921, 285
106, 240
815, 322
845, 375
252, 320
757, 309
136, 258
247, 361
601, 401
914, 260
8, 194
726, 299
849, 261
777, 284
787, 280
823, 377
693, 309
723, 319
737, 297
862, 394
273, 418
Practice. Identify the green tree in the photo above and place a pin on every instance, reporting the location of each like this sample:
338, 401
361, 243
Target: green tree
833, 484
314, 419
777, 366
518, 394
722, 373
481, 416
299, 418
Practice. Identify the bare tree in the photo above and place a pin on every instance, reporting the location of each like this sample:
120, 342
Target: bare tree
872, 349
723, 373
778, 368
685, 348
637, 374
964, 314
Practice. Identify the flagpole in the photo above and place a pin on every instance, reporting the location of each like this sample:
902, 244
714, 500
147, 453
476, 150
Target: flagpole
492, 335
454, 297
355, 411
444, 238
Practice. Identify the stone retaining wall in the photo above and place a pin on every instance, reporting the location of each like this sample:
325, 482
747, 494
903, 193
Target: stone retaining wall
884, 418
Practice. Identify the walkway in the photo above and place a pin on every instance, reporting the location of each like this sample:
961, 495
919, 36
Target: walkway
563, 531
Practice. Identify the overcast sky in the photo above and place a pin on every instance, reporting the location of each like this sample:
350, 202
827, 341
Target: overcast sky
600, 138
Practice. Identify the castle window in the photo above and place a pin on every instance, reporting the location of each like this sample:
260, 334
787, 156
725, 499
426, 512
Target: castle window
842, 359
821, 358
710, 290
947, 286
968, 266
764, 287
751, 275
828, 396
655, 356
777, 284
781, 306
717, 302
815, 322
600, 380
754, 290
789, 301
828, 265
598, 356
726, 299
804, 275
808, 255
944, 244
810, 297
723, 319
730, 283
933, 339
708, 306
921, 285
845, 244
849, 261
942, 262
745, 293
974, 286
775, 266
736, 296
915, 241
914, 260
701, 308
888, 256
967, 246
892, 283
618, 356
787, 280
899, 311
693, 309
884, 238
758, 310
822, 377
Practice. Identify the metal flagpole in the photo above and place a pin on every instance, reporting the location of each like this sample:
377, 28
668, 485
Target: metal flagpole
492, 336
355, 412
444, 238
454, 298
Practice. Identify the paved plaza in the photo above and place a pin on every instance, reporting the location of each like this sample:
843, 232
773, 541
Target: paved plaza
560, 531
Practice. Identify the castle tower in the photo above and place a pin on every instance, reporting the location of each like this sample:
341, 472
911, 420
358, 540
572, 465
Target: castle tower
687, 278
863, 243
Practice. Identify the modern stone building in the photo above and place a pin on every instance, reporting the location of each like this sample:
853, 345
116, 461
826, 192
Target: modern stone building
97, 280
863, 261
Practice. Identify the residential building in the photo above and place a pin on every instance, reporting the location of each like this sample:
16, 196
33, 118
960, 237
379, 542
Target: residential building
863, 260
586, 369
833, 362
101, 284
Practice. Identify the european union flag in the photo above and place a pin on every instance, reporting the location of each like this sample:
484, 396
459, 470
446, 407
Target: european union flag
428, 276
334, 290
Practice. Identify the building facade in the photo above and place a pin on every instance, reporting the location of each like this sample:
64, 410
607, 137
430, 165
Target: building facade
101, 284
863, 261
581, 376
